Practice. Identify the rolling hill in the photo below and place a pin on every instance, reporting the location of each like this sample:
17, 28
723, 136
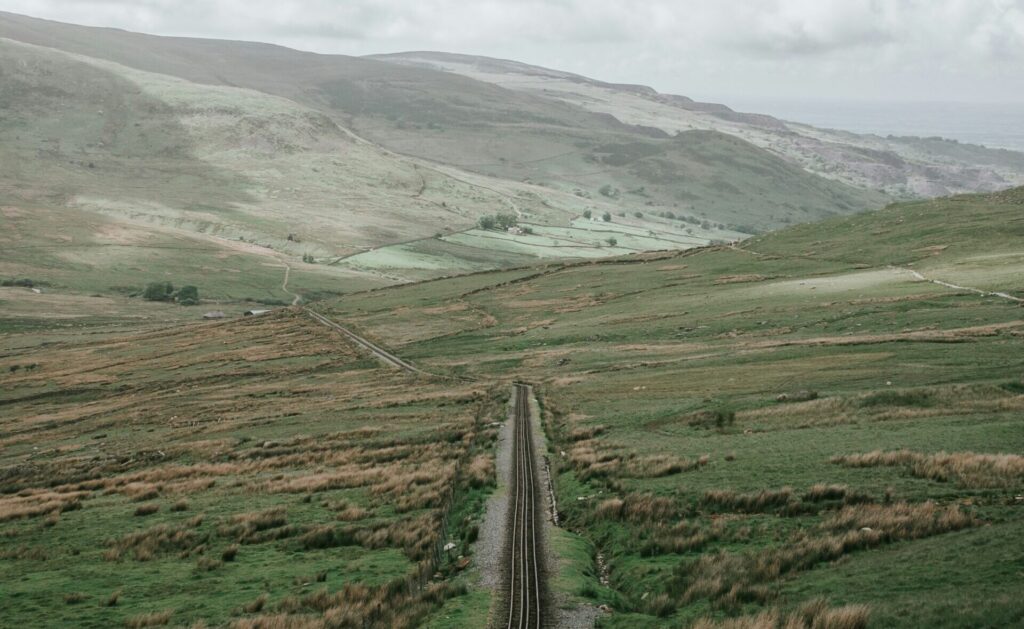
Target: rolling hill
901, 166
263, 173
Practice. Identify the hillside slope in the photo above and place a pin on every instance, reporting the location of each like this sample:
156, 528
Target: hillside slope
452, 119
159, 157
901, 166
739, 431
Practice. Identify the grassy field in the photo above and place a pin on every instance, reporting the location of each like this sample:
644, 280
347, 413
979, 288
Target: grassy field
797, 430
743, 432
243, 473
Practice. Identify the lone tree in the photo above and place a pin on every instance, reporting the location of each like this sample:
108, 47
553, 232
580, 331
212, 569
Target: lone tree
612, 242
158, 291
486, 222
607, 217
587, 213
188, 296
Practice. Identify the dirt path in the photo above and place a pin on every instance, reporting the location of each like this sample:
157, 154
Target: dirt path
378, 351
284, 285
984, 293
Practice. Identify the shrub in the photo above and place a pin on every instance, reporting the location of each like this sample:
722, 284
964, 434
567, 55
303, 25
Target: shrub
505, 221
205, 564
114, 597
256, 605
660, 605
968, 468
158, 291
898, 398
230, 553
188, 296
612, 242
73, 598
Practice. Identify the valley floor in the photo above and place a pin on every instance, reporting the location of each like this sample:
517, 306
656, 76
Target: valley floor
797, 430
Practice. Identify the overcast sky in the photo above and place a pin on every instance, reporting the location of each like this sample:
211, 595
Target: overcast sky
953, 50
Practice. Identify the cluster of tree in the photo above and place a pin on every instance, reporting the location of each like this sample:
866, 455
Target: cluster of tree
693, 220
498, 221
164, 291
308, 258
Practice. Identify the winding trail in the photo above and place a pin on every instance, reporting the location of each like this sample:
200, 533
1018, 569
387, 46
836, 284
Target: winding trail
284, 285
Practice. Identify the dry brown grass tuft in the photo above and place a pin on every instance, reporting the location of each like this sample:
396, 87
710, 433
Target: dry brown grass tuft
900, 520
685, 536
968, 468
637, 508
661, 465
480, 471
822, 492
256, 605
730, 580
246, 527
814, 614
36, 503
147, 509
153, 619
585, 433
351, 514
73, 598
156, 541
756, 502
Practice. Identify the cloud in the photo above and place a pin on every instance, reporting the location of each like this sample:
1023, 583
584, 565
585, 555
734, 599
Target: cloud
878, 48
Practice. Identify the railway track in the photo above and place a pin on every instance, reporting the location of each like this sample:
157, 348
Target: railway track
366, 344
525, 550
